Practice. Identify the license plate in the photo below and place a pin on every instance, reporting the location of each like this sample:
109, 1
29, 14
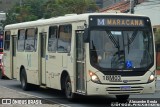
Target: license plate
112, 78
125, 87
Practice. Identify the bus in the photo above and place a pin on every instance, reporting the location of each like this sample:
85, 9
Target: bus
88, 54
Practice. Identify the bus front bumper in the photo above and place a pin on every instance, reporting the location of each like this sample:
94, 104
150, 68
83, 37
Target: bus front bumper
125, 89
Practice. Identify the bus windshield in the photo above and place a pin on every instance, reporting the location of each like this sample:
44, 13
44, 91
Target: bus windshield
121, 49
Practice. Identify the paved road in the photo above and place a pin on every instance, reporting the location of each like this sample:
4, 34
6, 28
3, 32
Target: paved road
57, 96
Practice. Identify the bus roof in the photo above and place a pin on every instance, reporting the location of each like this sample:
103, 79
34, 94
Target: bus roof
62, 19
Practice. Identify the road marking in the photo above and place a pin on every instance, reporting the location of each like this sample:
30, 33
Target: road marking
61, 105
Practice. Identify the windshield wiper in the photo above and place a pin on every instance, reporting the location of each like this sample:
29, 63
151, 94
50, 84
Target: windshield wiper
130, 40
114, 41
132, 37
116, 44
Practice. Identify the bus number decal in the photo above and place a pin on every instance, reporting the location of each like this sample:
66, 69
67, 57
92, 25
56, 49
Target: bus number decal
112, 78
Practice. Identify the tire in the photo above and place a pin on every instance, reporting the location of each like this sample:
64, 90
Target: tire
68, 89
24, 84
122, 97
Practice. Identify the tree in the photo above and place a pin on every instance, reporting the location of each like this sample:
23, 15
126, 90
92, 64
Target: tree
62, 7
30, 10
10, 18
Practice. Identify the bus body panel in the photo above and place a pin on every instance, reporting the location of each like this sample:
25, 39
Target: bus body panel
57, 63
30, 63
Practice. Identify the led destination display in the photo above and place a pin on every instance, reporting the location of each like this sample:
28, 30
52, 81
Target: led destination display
120, 22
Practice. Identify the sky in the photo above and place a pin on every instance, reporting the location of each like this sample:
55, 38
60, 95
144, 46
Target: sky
151, 8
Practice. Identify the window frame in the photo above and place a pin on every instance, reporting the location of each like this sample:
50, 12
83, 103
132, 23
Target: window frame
59, 36
49, 34
35, 36
20, 39
7, 40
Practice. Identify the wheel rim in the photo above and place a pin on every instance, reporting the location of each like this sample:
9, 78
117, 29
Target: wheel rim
68, 90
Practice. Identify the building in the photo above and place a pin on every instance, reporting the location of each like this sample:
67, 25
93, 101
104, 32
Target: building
107, 3
150, 8
123, 6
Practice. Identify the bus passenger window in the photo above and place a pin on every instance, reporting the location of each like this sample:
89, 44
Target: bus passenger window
7, 40
64, 40
31, 41
21, 39
52, 39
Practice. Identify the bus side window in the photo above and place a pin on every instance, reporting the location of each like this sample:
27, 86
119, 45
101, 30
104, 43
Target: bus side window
64, 40
21, 39
52, 39
31, 40
7, 40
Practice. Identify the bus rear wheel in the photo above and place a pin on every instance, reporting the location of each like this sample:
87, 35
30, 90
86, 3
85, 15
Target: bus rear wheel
68, 89
122, 97
24, 84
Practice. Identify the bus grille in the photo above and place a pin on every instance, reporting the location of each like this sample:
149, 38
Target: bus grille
119, 90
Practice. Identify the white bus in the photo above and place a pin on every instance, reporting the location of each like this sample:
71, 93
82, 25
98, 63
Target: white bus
88, 54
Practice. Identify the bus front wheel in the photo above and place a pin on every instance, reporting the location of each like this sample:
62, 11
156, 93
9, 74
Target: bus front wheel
68, 89
24, 84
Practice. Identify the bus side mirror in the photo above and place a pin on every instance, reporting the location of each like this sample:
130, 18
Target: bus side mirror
86, 35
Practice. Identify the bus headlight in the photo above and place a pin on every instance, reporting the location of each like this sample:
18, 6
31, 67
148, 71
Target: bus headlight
151, 77
94, 77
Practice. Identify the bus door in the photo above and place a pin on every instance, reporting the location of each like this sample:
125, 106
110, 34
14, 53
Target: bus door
43, 57
14, 41
80, 62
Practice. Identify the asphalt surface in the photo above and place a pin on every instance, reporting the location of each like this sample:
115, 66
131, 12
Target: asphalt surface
12, 89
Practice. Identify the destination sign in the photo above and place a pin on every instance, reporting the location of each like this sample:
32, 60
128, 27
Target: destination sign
120, 22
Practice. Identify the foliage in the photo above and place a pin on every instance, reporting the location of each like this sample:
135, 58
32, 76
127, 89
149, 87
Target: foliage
28, 11
10, 18
61, 7
31, 10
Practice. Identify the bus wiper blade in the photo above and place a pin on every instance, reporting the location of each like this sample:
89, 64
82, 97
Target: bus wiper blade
132, 37
130, 40
114, 41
